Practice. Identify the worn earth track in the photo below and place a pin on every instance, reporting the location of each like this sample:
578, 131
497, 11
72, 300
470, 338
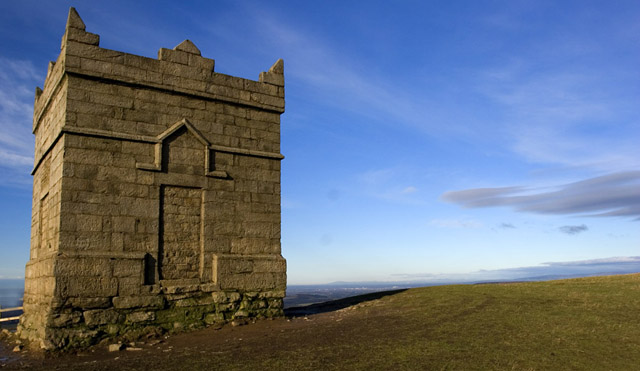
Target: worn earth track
229, 347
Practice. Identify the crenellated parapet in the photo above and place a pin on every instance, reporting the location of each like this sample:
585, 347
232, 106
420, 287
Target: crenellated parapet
181, 71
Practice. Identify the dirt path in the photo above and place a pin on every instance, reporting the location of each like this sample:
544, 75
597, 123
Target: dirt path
262, 343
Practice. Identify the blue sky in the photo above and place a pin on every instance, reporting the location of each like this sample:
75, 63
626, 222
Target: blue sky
421, 138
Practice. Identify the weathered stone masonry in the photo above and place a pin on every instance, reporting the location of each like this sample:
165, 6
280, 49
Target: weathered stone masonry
156, 194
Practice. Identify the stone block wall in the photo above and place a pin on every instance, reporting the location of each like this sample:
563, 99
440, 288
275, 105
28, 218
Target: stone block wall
156, 201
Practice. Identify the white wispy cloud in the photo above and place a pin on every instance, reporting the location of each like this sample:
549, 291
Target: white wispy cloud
563, 116
18, 79
389, 184
456, 223
12, 159
573, 229
570, 115
616, 194
409, 190
603, 261
377, 176
326, 74
290, 204
568, 93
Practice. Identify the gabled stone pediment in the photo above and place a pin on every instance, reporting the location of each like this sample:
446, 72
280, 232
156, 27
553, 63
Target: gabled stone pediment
184, 123
162, 142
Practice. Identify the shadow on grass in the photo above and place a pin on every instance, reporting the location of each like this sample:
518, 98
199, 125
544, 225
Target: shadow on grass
334, 305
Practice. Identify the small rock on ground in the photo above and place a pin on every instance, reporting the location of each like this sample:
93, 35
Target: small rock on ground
116, 347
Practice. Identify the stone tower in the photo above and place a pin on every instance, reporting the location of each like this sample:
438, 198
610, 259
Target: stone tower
156, 194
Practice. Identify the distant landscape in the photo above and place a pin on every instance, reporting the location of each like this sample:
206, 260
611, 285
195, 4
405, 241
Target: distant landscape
11, 290
299, 295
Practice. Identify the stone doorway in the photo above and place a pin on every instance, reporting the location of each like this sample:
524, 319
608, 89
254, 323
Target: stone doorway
180, 232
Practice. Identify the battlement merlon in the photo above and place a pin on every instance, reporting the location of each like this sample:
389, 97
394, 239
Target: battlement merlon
181, 70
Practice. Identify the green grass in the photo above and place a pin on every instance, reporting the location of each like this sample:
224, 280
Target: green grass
578, 324
586, 324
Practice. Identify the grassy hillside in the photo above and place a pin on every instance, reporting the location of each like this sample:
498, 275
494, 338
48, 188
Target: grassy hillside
588, 323
584, 324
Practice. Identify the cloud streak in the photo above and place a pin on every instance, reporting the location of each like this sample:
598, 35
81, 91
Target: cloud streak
573, 229
17, 80
456, 223
327, 74
546, 115
390, 184
618, 260
616, 194
568, 115
548, 270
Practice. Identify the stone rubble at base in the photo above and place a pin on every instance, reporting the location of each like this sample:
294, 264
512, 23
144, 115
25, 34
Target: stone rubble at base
156, 196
